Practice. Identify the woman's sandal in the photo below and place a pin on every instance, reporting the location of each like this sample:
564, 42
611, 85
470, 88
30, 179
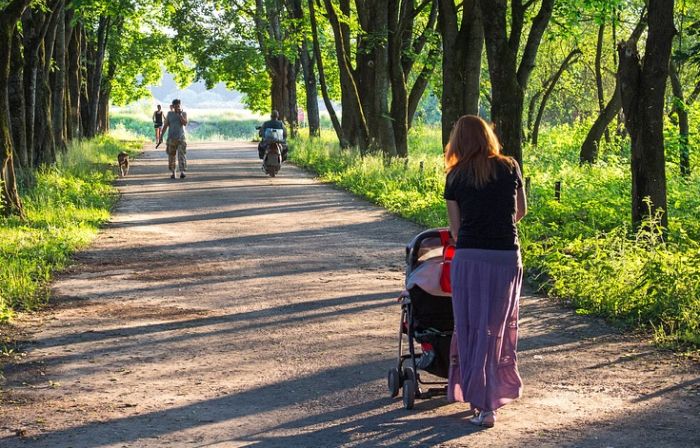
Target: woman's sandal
484, 418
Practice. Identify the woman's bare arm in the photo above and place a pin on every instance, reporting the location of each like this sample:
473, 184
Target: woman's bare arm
453, 217
520, 204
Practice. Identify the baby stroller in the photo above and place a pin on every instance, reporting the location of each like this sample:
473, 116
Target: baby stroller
426, 318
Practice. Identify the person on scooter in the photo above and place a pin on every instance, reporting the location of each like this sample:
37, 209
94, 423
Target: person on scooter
273, 123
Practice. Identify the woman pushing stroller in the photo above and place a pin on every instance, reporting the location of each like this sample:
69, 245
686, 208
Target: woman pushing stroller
485, 200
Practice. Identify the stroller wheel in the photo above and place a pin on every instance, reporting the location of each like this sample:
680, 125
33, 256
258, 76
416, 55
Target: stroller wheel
409, 374
393, 382
409, 393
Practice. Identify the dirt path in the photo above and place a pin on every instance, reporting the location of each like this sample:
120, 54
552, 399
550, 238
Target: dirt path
231, 309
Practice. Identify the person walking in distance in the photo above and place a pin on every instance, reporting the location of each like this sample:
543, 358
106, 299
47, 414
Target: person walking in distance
176, 145
485, 199
158, 121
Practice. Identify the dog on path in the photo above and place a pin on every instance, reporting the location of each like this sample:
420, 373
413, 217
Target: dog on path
123, 160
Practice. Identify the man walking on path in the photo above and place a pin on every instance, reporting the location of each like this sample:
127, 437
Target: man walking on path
176, 145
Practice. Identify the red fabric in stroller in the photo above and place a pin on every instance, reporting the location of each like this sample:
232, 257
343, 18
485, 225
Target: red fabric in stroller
428, 259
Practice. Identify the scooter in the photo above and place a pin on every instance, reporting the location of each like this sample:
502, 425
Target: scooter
271, 150
272, 160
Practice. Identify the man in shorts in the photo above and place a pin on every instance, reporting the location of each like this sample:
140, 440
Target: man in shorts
176, 145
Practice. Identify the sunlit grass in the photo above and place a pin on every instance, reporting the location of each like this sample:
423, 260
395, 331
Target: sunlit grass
65, 206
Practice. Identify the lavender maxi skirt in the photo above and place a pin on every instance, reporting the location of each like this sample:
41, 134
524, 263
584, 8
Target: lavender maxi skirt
485, 299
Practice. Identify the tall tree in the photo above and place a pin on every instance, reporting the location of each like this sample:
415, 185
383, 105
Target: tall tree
74, 81
44, 139
355, 127
281, 66
462, 35
407, 41
642, 89
10, 202
589, 148
679, 113
96, 53
372, 72
308, 62
568, 61
35, 25
58, 80
16, 101
599, 73
509, 78
322, 77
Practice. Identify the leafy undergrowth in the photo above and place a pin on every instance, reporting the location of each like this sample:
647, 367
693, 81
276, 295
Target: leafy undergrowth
580, 249
65, 206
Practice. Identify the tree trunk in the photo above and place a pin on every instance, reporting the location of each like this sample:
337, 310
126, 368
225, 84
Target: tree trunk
282, 71
351, 117
402, 48
74, 81
681, 111
293, 108
508, 78
642, 88
532, 104
59, 82
16, 102
462, 46
35, 26
95, 62
550, 88
45, 143
373, 73
599, 74
398, 16
106, 88
279, 87
312, 113
10, 202
419, 86
347, 80
589, 148
307, 65
103, 107
84, 110
322, 78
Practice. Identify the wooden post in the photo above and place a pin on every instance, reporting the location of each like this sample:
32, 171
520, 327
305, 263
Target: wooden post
557, 190
527, 186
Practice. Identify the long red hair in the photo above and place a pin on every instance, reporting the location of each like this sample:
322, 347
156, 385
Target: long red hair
474, 150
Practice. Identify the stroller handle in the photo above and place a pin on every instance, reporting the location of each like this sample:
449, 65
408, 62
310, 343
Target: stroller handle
412, 252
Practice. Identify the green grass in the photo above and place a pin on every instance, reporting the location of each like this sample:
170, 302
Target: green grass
581, 249
65, 206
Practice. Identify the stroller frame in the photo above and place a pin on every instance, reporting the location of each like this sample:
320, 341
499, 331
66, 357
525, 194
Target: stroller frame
406, 375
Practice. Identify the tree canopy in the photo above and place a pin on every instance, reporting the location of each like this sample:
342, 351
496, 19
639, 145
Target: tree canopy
521, 64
